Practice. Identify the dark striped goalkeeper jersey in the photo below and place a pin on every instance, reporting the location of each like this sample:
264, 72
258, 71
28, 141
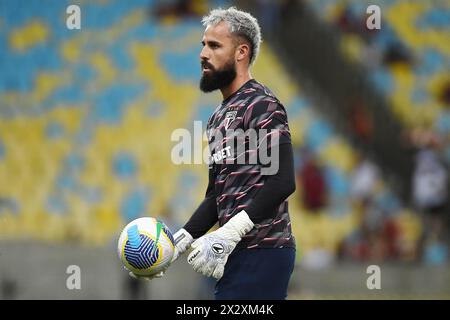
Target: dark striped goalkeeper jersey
244, 134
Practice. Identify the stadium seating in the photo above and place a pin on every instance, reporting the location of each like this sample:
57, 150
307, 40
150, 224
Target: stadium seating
86, 118
407, 59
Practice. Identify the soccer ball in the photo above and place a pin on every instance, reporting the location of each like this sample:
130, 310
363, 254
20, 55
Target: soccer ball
146, 246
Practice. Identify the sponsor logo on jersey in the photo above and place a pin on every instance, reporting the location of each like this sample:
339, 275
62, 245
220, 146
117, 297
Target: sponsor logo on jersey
221, 154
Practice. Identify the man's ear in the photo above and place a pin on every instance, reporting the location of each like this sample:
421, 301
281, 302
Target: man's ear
243, 52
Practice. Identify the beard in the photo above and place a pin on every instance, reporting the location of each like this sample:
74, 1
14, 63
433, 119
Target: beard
217, 79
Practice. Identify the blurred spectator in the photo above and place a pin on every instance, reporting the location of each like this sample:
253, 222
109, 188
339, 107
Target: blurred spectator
429, 182
364, 179
376, 239
430, 195
361, 121
378, 235
311, 178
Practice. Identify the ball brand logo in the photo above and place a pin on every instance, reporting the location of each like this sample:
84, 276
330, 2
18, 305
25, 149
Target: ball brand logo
218, 248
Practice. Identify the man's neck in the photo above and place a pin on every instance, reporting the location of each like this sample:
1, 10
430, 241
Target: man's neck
238, 82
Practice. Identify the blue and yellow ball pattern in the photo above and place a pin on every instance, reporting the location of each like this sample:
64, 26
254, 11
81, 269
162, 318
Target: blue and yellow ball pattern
145, 255
146, 246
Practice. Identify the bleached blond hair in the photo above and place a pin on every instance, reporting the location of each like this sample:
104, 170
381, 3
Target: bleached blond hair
241, 24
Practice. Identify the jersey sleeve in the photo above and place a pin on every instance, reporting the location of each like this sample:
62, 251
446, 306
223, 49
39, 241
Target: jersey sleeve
269, 115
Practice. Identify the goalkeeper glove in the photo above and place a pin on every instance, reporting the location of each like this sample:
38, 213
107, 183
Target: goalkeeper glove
211, 251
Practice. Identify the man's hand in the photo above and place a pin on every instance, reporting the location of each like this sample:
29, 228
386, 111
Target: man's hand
182, 242
211, 251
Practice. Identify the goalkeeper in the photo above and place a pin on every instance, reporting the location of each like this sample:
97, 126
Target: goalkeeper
252, 253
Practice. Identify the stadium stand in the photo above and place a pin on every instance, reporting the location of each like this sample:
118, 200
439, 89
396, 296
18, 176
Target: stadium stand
86, 120
408, 58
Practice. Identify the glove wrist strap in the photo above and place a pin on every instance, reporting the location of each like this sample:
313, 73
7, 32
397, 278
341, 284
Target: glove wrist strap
240, 223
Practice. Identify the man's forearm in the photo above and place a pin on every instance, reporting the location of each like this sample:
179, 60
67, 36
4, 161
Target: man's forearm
203, 219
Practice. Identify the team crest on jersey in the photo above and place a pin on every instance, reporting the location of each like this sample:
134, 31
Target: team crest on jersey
229, 117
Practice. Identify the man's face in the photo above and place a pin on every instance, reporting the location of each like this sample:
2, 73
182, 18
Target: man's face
217, 58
